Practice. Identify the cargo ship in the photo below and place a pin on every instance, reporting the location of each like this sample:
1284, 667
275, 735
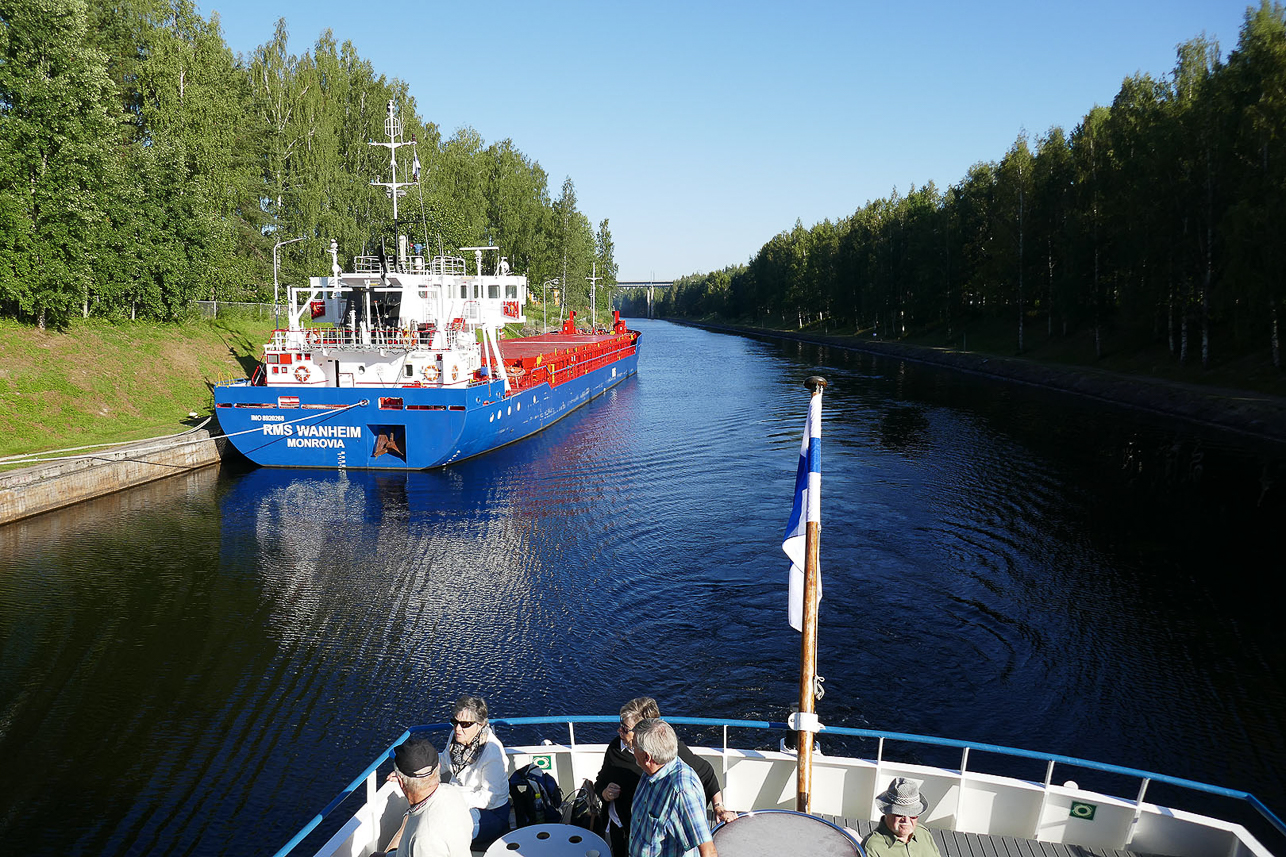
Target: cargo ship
401, 362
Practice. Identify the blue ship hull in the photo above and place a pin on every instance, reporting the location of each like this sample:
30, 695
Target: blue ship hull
396, 428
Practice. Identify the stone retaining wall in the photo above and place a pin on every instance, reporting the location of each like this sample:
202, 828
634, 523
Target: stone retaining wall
1256, 415
44, 487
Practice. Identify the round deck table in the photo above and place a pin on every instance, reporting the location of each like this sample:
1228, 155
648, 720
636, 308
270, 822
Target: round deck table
773, 832
549, 840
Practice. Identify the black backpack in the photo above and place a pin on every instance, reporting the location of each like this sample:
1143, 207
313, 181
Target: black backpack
536, 796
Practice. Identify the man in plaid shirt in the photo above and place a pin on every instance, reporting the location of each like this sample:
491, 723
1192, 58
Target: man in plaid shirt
669, 810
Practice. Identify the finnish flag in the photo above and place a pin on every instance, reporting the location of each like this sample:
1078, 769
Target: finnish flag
415, 167
808, 507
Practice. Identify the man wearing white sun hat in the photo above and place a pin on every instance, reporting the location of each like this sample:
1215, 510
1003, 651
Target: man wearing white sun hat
897, 834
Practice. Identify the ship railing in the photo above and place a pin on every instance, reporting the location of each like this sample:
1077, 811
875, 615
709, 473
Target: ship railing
369, 779
567, 366
374, 265
343, 339
448, 266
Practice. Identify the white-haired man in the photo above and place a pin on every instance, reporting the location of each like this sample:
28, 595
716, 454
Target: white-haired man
897, 834
437, 823
669, 810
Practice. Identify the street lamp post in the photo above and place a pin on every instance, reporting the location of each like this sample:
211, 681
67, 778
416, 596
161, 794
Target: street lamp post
544, 304
276, 322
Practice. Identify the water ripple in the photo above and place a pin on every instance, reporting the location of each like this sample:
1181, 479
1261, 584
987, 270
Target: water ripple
998, 565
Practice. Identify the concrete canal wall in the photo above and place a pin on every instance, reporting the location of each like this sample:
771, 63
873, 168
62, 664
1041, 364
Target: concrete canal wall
53, 485
1255, 415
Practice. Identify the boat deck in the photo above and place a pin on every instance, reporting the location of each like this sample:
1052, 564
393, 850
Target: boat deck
533, 346
953, 844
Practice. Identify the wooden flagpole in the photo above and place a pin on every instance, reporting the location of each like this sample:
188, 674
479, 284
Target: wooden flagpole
808, 648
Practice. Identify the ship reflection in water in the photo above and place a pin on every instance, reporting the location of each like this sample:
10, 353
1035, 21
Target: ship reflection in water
219, 656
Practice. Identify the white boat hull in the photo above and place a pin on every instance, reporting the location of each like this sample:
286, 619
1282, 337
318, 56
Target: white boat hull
846, 787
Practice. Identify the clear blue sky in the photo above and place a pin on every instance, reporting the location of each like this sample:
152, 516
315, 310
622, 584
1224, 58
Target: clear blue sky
703, 129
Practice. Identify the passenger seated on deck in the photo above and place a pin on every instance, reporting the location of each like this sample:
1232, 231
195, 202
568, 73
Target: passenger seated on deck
898, 834
474, 760
437, 823
619, 777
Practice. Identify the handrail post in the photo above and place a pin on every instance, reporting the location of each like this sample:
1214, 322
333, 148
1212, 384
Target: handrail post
371, 789
1044, 800
1138, 813
964, 765
725, 755
879, 759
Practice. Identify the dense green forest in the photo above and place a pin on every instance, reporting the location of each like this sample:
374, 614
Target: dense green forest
1161, 217
144, 167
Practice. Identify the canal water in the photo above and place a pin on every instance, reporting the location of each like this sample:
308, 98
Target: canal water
198, 666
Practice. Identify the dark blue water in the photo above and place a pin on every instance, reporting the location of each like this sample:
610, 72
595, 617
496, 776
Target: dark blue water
196, 667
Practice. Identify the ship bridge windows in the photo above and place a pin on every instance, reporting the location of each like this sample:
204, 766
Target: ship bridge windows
493, 291
386, 307
511, 292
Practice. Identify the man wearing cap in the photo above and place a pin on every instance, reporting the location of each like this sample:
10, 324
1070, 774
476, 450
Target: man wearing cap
437, 823
897, 835
668, 815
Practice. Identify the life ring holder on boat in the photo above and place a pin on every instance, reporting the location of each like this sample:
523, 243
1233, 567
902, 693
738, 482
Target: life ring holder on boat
430, 373
455, 373
301, 374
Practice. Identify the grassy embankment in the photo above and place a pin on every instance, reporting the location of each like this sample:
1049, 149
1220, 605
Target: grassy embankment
100, 381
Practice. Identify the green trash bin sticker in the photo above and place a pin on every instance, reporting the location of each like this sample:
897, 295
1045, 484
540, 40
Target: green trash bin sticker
546, 763
1083, 810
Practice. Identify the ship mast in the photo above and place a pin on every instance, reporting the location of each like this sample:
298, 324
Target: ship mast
394, 188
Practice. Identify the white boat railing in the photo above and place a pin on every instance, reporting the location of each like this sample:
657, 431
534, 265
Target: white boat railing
347, 339
375, 265
450, 266
1124, 822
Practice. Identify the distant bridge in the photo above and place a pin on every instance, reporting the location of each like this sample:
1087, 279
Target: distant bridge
650, 285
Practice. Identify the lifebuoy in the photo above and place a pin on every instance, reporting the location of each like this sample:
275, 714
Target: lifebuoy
455, 373
301, 374
430, 373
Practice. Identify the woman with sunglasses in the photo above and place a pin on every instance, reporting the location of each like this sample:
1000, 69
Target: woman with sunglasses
474, 760
620, 775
